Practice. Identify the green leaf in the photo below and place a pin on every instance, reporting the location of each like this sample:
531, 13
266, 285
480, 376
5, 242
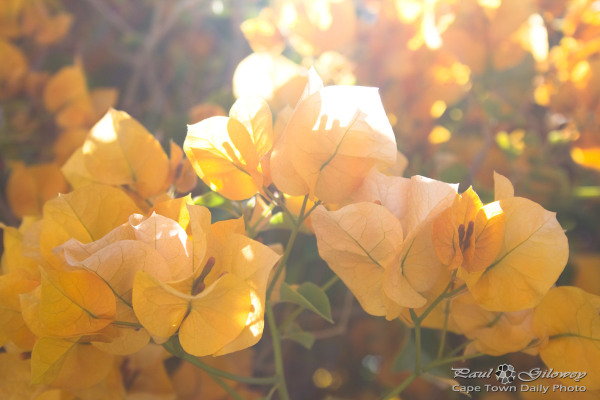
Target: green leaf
309, 296
212, 200
295, 333
281, 221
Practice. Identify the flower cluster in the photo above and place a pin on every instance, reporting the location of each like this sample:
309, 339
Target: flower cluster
101, 275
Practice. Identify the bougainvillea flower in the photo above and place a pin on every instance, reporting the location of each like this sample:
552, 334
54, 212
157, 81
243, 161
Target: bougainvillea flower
273, 77
28, 188
68, 303
226, 152
468, 234
66, 94
12, 326
493, 333
68, 363
532, 255
86, 214
120, 151
386, 259
568, 323
12, 70
157, 245
358, 242
333, 139
181, 172
220, 309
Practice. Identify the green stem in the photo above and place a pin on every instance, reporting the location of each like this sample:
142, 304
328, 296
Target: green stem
332, 281
570, 334
440, 352
434, 364
445, 295
267, 211
286, 254
459, 348
290, 318
173, 347
290, 244
495, 320
278, 201
305, 216
235, 395
398, 389
128, 324
449, 360
302, 210
279, 372
417, 324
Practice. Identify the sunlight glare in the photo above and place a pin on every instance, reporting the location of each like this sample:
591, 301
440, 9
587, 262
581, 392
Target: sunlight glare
538, 37
217, 7
255, 322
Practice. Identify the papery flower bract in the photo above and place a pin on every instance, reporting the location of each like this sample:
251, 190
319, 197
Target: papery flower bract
219, 308
273, 77
358, 242
175, 209
412, 278
85, 214
206, 322
120, 151
568, 323
15, 376
509, 252
437, 317
68, 363
492, 333
181, 172
68, 303
532, 255
157, 245
386, 259
226, 153
28, 188
13, 258
67, 95
147, 374
332, 140
12, 70
468, 234
12, 326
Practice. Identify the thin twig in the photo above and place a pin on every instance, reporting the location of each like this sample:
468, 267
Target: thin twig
112, 16
160, 26
276, 339
481, 156
174, 347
